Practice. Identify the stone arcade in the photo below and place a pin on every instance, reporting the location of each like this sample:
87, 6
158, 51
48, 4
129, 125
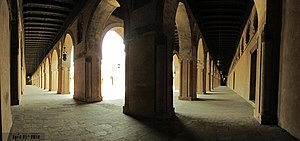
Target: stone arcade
183, 60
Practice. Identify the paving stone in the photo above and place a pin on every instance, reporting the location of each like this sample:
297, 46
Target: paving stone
220, 116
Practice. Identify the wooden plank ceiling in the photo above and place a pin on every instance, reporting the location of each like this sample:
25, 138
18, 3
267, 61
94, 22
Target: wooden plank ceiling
45, 21
221, 23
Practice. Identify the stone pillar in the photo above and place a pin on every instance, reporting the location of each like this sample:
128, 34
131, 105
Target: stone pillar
36, 78
59, 83
289, 100
87, 79
15, 68
40, 79
64, 81
45, 78
269, 94
199, 77
205, 72
5, 105
54, 79
92, 86
148, 71
95, 83
270, 63
213, 77
50, 77
188, 78
23, 77
209, 75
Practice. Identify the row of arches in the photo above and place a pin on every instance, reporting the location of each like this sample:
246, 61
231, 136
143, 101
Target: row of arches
56, 72
267, 14
194, 69
208, 76
103, 68
193, 65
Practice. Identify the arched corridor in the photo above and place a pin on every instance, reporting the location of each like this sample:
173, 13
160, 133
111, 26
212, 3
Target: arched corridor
150, 70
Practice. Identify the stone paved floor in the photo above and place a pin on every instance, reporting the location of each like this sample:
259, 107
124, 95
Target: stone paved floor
218, 116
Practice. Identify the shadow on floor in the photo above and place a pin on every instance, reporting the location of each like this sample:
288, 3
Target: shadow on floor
210, 99
168, 129
60, 118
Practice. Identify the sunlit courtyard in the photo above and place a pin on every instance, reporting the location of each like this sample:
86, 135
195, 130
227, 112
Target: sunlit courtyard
113, 66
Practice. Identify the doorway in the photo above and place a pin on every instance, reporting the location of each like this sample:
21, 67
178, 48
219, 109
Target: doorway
233, 81
253, 76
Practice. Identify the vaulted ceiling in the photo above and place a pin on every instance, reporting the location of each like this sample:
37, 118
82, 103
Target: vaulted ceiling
221, 23
45, 21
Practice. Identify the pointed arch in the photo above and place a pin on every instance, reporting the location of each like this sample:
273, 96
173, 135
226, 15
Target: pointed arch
200, 66
96, 27
176, 73
54, 69
187, 54
67, 49
97, 22
182, 23
260, 6
65, 80
113, 62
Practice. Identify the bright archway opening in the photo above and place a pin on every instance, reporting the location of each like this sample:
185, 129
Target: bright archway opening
113, 65
68, 66
72, 72
176, 74
54, 69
